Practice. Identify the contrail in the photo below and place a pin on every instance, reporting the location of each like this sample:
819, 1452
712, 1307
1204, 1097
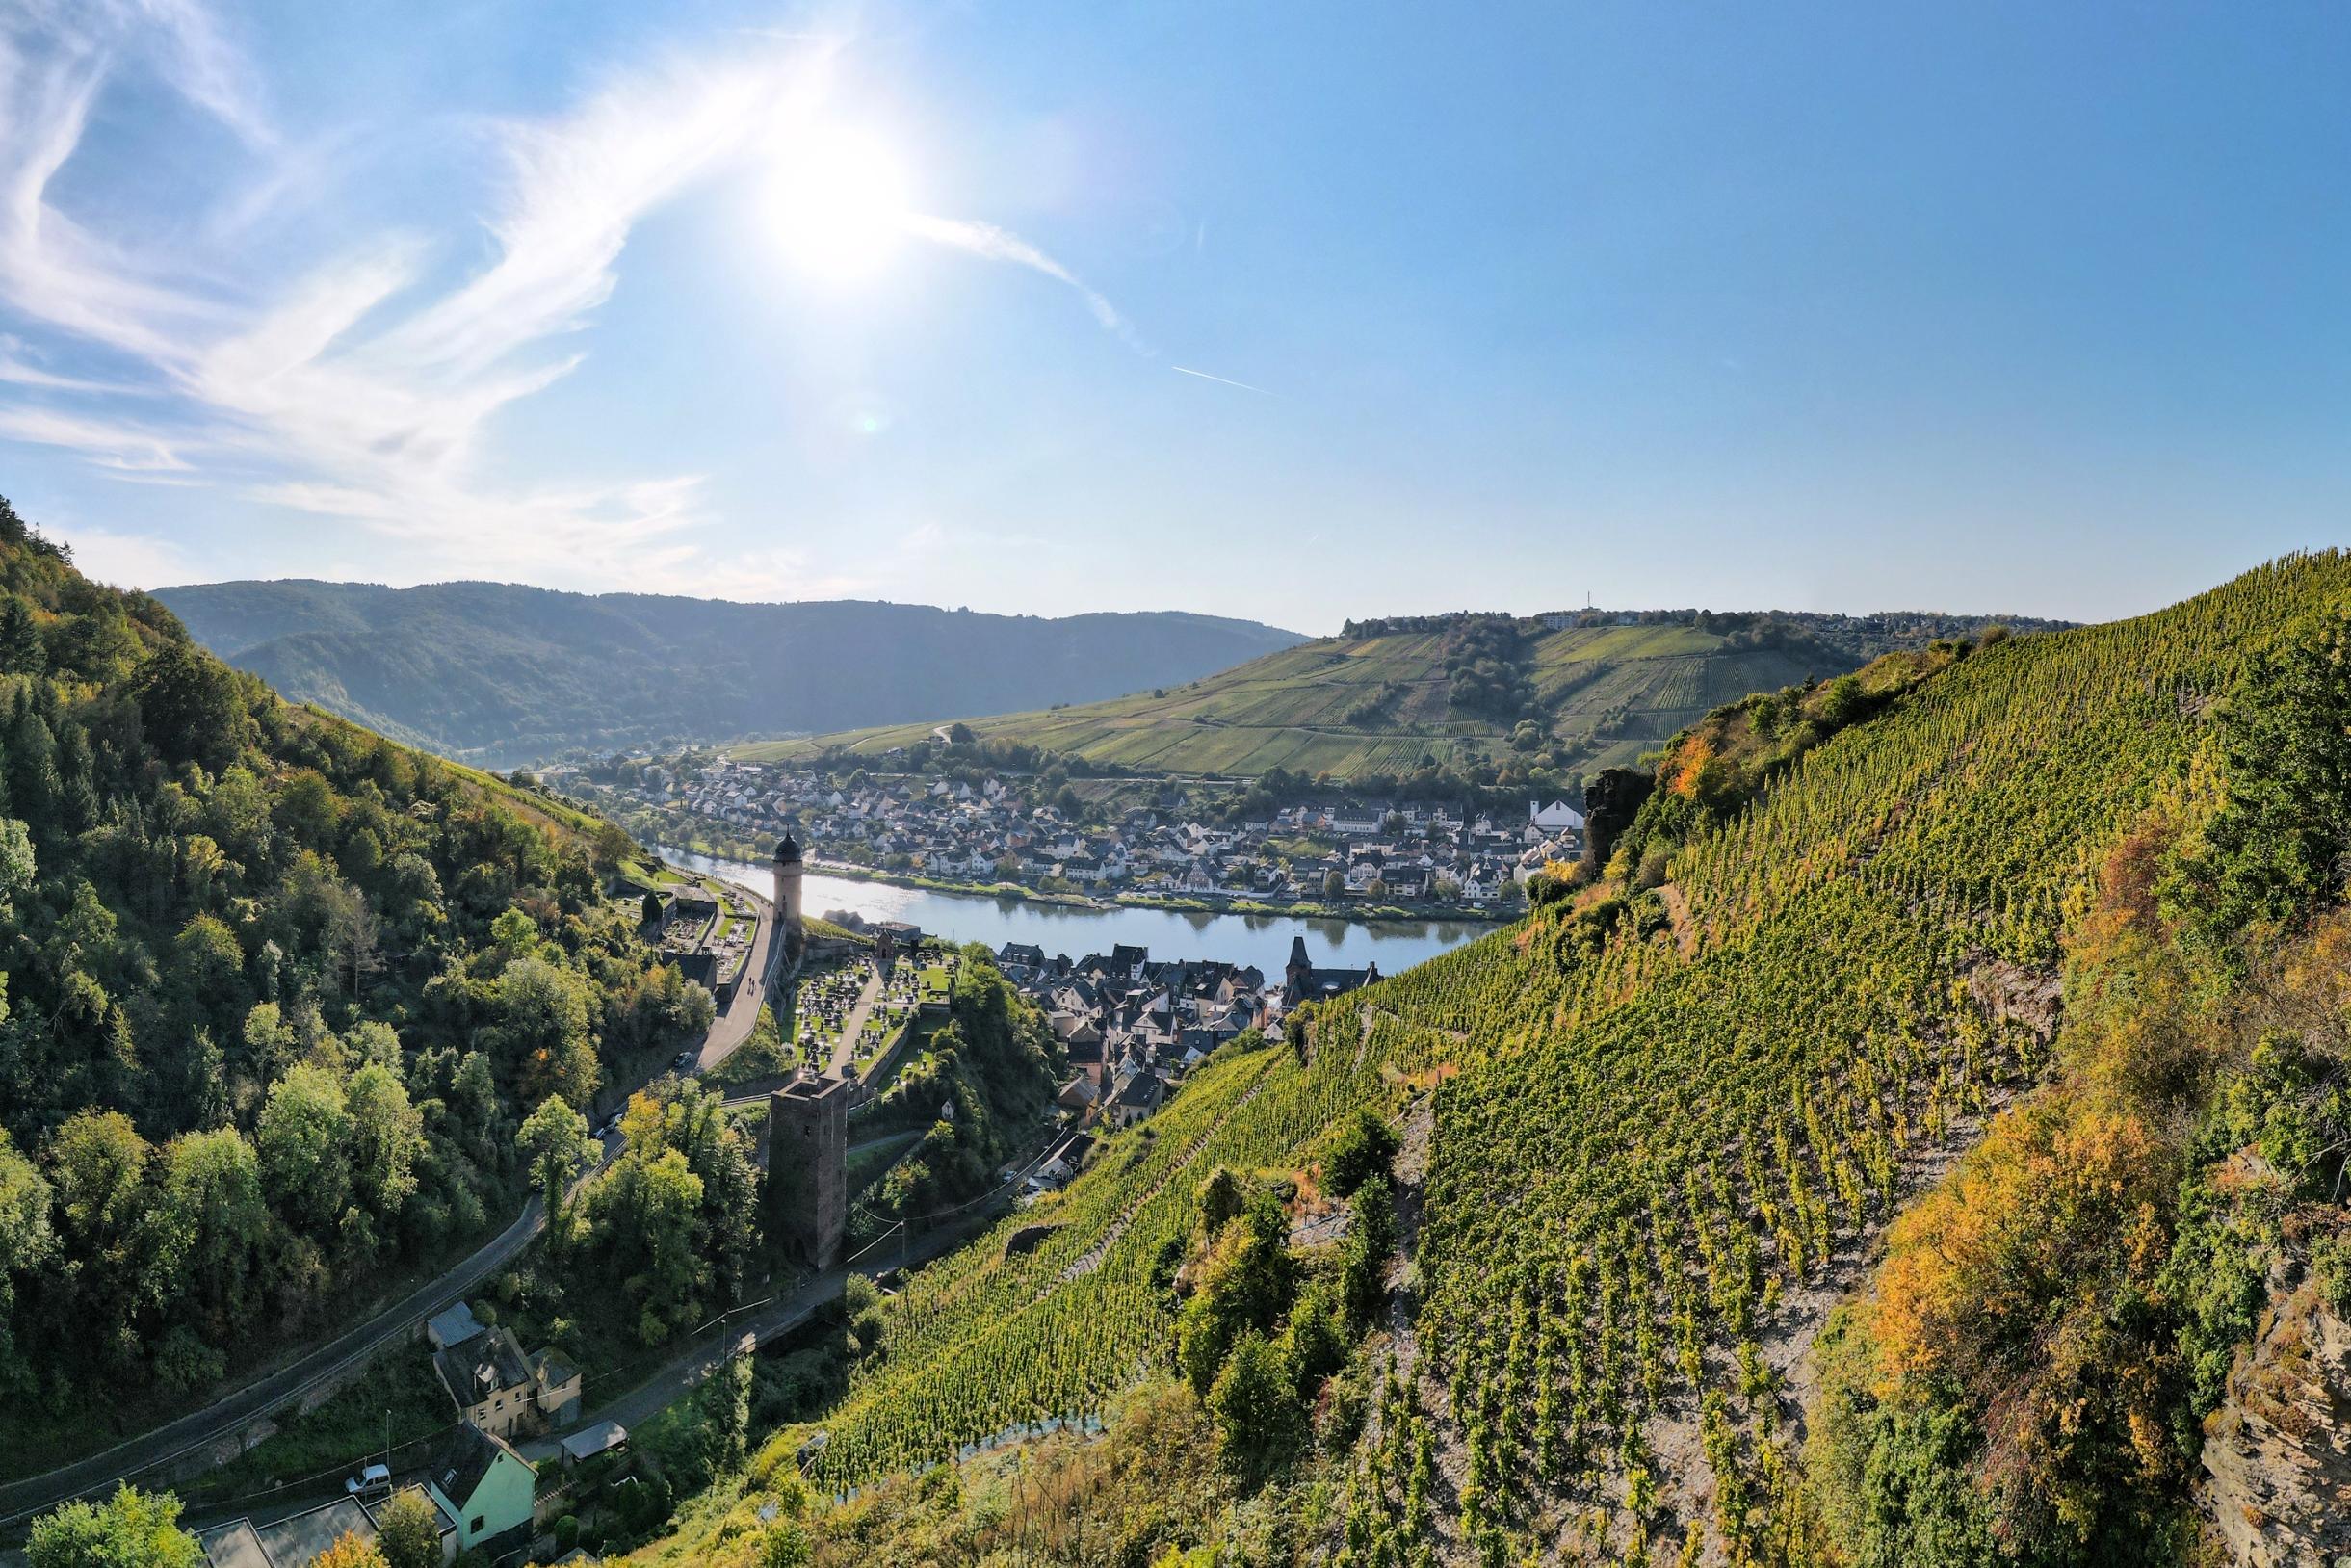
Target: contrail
1221, 379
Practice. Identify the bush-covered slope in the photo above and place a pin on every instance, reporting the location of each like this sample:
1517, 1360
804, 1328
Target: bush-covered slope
277, 993
504, 674
1390, 697
1666, 1120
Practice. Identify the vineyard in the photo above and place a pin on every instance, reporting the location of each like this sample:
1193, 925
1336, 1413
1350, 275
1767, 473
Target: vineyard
1350, 706
1660, 1140
1648, 1156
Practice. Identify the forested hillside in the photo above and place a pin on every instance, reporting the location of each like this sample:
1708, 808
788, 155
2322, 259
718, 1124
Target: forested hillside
2075, 888
277, 995
1485, 694
505, 675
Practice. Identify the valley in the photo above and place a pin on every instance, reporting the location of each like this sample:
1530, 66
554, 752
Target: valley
1823, 967
503, 675
1060, 785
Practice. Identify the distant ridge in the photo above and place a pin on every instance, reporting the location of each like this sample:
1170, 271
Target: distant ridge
501, 673
1569, 690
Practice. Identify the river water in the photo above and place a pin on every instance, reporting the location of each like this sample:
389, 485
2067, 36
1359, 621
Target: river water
1263, 940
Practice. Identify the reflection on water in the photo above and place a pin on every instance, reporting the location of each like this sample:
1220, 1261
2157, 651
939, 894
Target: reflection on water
1263, 940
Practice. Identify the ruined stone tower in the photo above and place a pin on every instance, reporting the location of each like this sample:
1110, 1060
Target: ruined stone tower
808, 1167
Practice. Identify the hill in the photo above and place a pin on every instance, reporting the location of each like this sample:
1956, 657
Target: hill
278, 994
1388, 697
2081, 889
504, 674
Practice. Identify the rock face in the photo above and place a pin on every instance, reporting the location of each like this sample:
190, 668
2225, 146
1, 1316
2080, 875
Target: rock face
1611, 798
2277, 1453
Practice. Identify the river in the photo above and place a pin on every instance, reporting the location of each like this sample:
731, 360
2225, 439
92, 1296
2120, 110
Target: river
1263, 940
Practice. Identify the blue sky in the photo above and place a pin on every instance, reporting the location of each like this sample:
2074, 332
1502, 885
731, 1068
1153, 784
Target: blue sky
1973, 307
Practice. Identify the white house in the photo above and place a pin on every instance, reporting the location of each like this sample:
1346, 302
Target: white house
1557, 817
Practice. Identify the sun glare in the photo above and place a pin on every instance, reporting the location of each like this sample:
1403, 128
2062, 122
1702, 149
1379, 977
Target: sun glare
840, 203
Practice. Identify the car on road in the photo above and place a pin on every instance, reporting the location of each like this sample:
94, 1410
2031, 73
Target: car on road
683, 1060
375, 1478
611, 1125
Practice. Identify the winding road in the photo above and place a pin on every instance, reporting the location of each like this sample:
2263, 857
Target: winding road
218, 1421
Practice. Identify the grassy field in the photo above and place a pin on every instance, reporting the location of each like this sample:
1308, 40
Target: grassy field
1289, 709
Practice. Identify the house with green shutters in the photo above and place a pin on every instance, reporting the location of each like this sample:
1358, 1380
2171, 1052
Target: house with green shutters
482, 1486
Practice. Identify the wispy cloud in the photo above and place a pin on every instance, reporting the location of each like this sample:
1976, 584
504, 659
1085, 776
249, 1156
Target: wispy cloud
993, 244
103, 442
360, 388
352, 392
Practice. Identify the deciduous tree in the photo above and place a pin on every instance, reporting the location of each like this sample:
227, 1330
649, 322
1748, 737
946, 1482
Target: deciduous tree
130, 1529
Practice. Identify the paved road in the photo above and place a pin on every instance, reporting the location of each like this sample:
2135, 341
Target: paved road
19, 1500
202, 1428
746, 1330
731, 1027
740, 1335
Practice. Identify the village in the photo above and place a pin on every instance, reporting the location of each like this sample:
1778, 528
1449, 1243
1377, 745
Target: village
1135, 1027
1342, 854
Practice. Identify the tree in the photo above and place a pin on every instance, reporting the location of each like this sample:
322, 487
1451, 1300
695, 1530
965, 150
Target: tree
611, 847
1334, 883
304, 1136
130, 1529
98, 1165
387, 1135
555, 1138
26, 1243
1255, 1405
191, 707
2280, 843
212, 1198
410, 1531
541, 1030
1362, 1148
643, 1214
351, 1550
16, 863
20, 647
650, 908
1220, 1198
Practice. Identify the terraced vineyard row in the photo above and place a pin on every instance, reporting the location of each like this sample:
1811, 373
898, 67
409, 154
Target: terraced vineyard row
1648, 1154
1643, 1157
982, 1341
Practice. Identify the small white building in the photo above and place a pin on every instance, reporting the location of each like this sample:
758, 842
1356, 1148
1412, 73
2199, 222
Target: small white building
1555, 817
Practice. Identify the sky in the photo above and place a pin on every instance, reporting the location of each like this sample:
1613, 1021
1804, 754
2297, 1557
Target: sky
1294, 311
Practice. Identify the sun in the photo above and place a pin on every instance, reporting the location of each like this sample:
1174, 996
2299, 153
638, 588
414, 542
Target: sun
839, 203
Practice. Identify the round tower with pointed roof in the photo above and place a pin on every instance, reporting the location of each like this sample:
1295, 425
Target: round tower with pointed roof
788, 870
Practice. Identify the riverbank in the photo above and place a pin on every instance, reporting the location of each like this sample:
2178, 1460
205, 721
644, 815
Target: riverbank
1258, 937
1204, 903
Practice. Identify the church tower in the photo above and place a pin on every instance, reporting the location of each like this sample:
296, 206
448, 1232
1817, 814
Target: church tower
787, 869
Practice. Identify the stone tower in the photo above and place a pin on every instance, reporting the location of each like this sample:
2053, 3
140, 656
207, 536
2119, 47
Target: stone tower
808, 1166
1299, 972
787, 869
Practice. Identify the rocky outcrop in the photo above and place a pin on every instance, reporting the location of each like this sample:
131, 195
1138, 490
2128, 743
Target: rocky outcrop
1611, 798
2277, 1453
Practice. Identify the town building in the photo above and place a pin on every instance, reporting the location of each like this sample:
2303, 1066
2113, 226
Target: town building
482, 1485
503, 1392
